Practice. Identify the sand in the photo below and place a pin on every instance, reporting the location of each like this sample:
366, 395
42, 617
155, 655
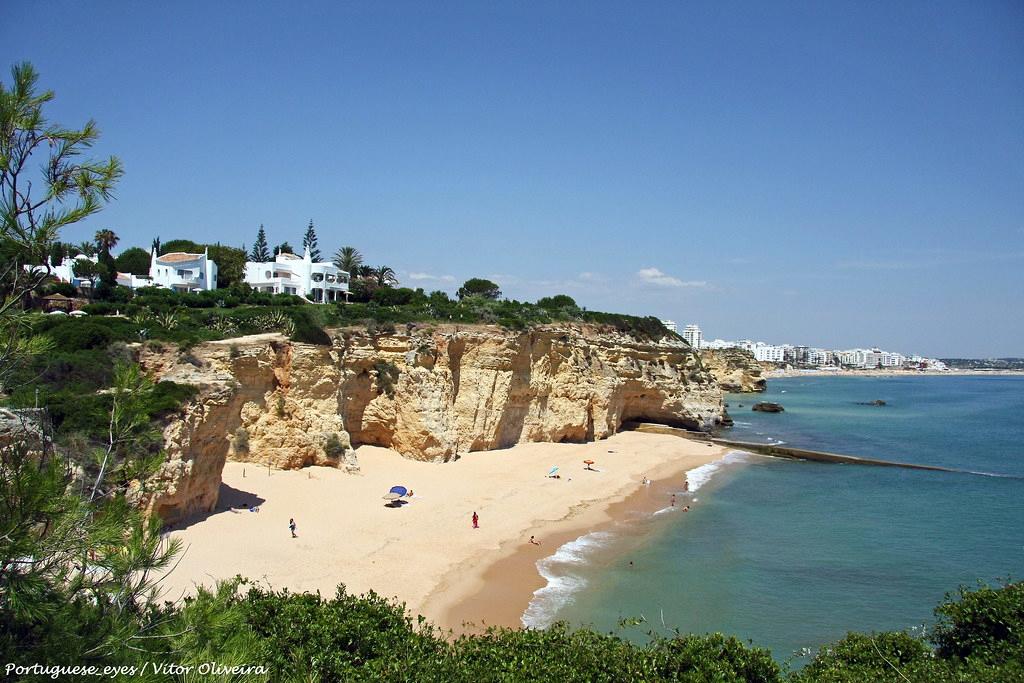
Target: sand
424, 553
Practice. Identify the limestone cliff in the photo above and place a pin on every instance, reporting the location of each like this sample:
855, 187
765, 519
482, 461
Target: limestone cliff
430, 394
734, 369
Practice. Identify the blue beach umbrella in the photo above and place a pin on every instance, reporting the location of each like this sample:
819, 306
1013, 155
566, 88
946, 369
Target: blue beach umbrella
553, 470
395, 493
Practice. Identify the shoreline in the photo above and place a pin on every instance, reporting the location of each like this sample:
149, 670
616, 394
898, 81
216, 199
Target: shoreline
835, 372
425, 553
498, 591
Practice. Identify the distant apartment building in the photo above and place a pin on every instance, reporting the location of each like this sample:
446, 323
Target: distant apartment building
768, 352
819, 357
316, 281
718, 344
692, 335
798, 354
183, 272
892, 360
670, 325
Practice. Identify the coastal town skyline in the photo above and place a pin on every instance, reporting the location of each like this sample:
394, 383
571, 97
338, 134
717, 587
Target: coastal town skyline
824, 174
803, 355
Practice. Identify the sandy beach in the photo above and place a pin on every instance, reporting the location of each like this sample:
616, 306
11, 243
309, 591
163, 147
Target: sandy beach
425, 553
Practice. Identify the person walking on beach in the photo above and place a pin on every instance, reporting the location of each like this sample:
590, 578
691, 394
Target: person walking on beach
291, 527
673, 500
686, 485
476, 520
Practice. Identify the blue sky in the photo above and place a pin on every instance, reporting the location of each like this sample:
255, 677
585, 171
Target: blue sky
837, 174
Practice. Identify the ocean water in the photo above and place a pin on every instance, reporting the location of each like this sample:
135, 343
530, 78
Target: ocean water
791, 555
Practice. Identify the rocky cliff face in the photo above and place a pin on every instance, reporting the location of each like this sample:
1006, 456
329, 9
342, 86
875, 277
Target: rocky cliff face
430, 394
734, 369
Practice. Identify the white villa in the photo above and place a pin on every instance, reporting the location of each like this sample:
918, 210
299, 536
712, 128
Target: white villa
65, 272
183, 272
316, 281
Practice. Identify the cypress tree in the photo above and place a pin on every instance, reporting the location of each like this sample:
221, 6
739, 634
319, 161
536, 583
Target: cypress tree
309, 240
260, 253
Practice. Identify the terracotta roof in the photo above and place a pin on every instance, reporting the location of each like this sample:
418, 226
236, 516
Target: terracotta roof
176, 256
56, 297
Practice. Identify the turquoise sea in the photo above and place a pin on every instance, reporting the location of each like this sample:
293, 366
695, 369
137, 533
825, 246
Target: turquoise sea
791, 555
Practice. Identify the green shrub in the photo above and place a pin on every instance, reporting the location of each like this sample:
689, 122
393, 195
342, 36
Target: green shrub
987, 623
307, 330
559, 301
77, 335
62, 288
333, 447
169, 397
387, 376
101, 308
400, 296
241, 440
864, 657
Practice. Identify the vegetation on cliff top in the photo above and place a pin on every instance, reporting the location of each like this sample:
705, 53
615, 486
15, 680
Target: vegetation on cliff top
187, 319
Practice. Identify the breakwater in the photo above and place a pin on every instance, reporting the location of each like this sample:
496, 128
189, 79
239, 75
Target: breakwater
781, 451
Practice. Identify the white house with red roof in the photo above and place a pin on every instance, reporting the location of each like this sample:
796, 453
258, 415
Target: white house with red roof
183, 272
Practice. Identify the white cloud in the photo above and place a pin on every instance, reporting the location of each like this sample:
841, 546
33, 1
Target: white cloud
653, 276
432, 278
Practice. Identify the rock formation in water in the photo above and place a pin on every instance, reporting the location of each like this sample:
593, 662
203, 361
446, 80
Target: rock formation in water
431, 394
766, 407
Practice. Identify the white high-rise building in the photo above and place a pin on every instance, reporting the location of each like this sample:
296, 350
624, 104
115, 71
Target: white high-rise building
670, 325
692, 335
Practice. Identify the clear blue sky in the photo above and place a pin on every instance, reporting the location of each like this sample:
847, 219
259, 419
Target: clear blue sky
832, 173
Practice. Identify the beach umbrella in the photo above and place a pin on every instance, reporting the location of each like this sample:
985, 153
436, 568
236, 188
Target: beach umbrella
552, 470
588, 462
395, 493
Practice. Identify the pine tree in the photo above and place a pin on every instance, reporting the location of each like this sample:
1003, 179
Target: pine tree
260, 253
309, 240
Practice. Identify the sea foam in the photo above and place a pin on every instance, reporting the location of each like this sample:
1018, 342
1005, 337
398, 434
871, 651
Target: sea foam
699, 476
562, 582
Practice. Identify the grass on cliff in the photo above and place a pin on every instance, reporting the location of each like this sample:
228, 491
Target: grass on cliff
187, 319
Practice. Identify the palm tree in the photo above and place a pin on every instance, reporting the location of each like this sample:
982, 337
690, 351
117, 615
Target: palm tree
386, 277
88, 248
348, 259
106, 240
